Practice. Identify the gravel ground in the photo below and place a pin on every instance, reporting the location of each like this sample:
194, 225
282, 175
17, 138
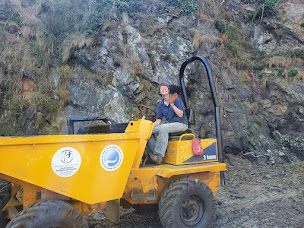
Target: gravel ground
254, 196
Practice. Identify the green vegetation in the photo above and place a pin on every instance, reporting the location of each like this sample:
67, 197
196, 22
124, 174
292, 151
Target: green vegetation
221, 25
259, 55
100, 12
298, 53
258, 214
171, 27
186, 6
292, 73
129, 110
239, 48
254, 127
59, 19
129, 6
6, 128
9, 15
16, 104
259, 123
265, 8
235, 39
136, 78
166, 57
38, 53
280, 71
110, 77
1, 28
259, 66
44, 103
65, 76
39, 106
63, 17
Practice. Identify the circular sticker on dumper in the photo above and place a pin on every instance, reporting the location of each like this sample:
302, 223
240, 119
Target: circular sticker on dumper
66, 162
111, 157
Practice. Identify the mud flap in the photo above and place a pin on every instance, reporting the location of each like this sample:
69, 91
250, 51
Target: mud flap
112, 211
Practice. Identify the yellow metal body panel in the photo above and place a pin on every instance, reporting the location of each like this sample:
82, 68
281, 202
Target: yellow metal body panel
30, 159
28, 196
27, 162
168, 171
179, 152
145, 185
146, 128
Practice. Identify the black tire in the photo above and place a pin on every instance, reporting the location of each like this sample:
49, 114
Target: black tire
5, 193
187, 202
49, 214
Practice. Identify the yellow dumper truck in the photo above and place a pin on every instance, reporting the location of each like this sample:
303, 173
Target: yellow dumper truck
52, 181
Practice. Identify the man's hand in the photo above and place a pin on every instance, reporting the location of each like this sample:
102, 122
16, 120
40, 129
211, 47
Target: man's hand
157, 122
172, 99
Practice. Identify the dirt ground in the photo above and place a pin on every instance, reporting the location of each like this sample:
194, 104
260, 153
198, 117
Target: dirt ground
254, 196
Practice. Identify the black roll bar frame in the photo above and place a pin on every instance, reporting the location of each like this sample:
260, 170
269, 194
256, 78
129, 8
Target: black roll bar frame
215, 103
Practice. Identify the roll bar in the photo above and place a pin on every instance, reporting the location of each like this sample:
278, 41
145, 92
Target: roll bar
215, 103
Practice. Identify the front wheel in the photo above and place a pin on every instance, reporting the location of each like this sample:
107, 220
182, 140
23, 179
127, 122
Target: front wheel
187, 202
49, 214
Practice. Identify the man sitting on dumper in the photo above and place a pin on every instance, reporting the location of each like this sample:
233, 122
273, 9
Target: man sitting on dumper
172, 109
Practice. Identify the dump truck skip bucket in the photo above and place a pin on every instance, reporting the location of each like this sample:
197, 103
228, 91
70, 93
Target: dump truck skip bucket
88, 168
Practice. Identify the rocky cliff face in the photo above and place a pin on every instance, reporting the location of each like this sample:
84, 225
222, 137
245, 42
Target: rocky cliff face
109, 61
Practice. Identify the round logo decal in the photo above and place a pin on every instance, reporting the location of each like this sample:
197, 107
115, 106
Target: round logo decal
66, 162
111, 157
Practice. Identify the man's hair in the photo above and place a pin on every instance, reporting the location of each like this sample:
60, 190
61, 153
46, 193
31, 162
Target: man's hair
163, 84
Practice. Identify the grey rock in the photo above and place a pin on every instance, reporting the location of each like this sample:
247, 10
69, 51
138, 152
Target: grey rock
84, 59
91, 98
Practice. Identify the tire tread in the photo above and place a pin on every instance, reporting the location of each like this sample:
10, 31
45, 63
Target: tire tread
173, 191
44, 208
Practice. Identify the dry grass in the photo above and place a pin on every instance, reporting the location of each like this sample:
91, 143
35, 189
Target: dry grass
41, 42
252, 107
73, 43
283, 61
298, 77
65, 77
199, 39
29, 13
279, 61
133, 64
265, 81
159, 29
207, 21
245, 77
204, 10
12, 56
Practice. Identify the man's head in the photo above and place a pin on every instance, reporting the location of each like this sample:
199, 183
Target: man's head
164, 89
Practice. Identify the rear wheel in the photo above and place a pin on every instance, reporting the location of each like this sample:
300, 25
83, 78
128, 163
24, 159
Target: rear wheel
187, 202
49, 214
